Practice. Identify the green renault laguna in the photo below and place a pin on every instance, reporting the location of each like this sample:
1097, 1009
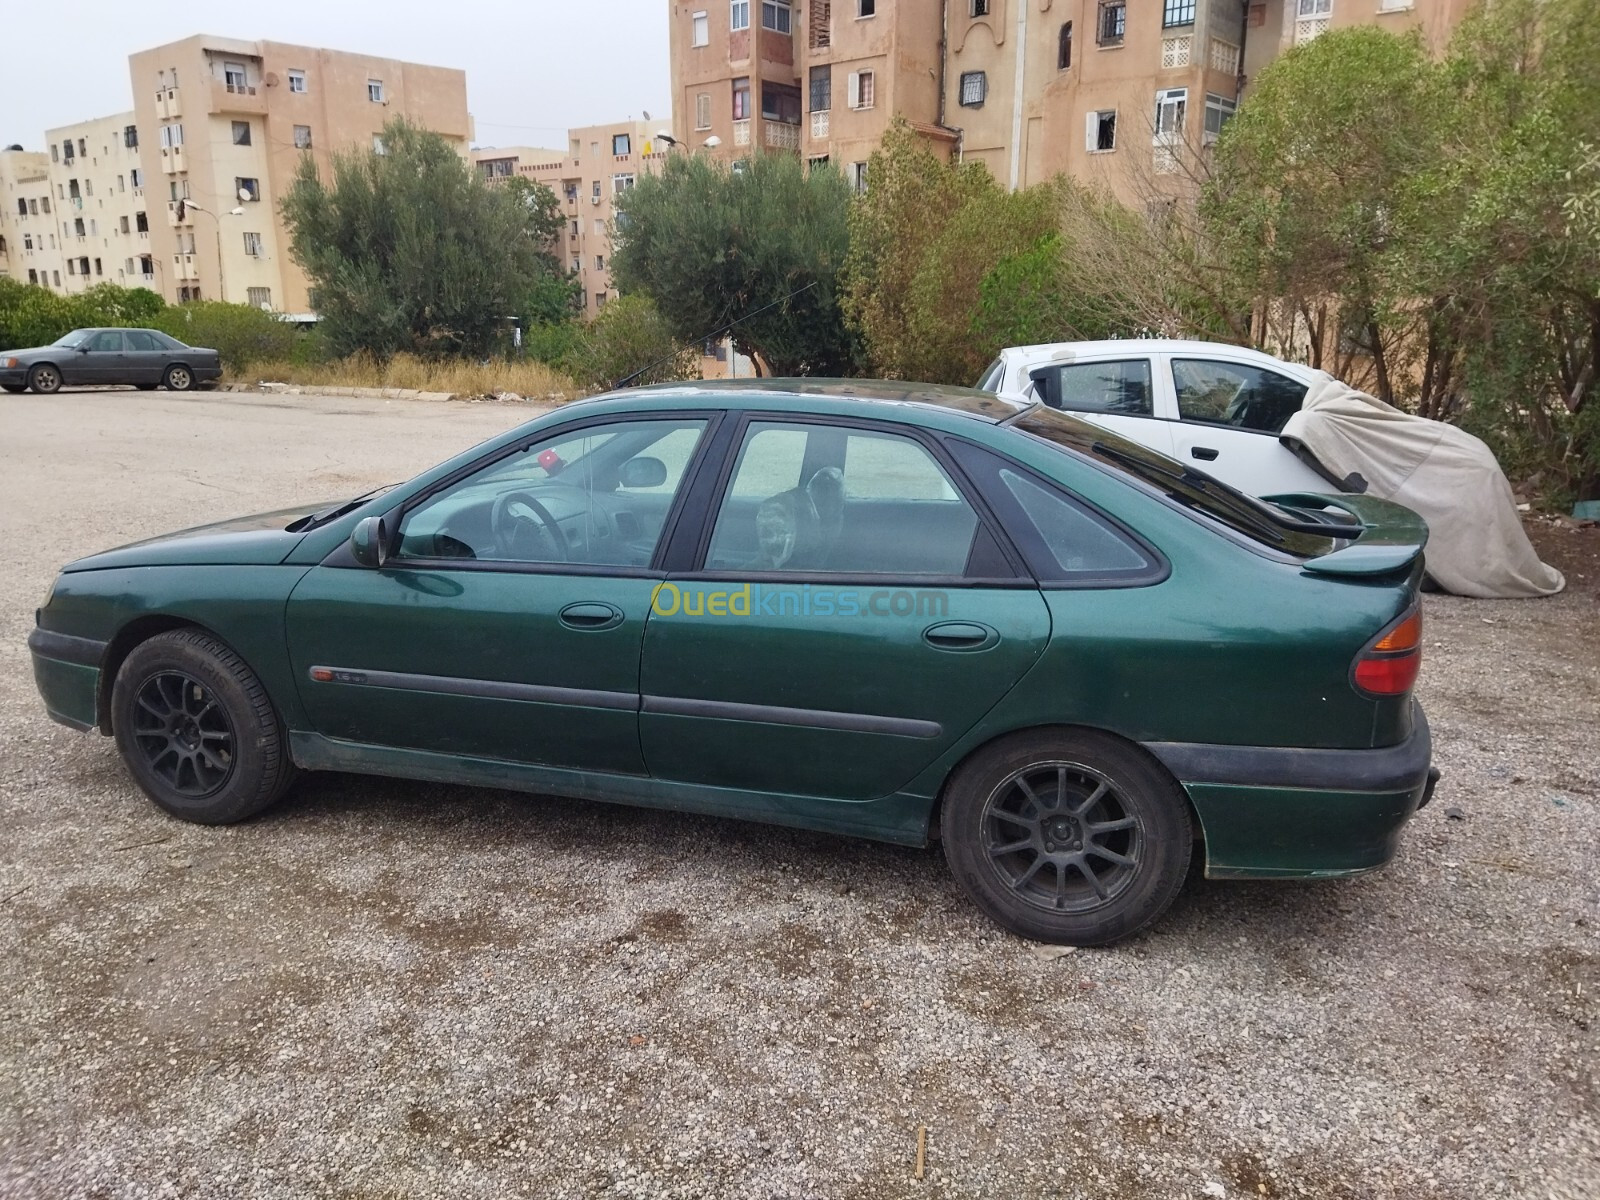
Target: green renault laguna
893, 611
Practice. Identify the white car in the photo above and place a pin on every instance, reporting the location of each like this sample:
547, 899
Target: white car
1214, 407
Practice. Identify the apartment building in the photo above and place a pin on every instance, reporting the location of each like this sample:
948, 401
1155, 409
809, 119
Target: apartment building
1108, 91
97, 178
223, 126
30, 250
599, 164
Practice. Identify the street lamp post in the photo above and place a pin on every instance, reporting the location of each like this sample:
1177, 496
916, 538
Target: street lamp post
186, 206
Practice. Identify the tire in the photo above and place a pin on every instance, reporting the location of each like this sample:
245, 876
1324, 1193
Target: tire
197, 730
178, 378
1049, 874
44, 378
15, 388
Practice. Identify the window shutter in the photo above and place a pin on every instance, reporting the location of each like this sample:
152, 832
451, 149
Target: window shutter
1091, 130
853, 91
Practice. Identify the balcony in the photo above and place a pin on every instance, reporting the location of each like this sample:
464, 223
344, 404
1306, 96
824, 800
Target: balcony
741, 133
778, 135
819, 124
172, 162
172, 215
183, 267
169, 104
238, 98
1176, 51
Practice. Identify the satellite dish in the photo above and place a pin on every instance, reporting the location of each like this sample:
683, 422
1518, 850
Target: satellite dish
647, 114
244, 194
271, 79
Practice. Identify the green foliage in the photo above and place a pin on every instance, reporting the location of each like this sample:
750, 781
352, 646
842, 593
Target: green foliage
711, 245
35, 316
412, 251
240, 333
629, 334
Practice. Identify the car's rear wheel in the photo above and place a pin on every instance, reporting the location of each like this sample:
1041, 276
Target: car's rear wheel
44, 379
197, 730
178, 378
1068, 836
15, 388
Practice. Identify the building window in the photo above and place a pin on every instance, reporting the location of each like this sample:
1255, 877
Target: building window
1177, 12
858, 176
252, 245
1311, 19
67, 152
700, 29
621, 183
974, 89
741, 98
779, 103
259, 297
302, 137
621, 145
241, 133
821, 89
377, 144
97, 269
172, 135
57, 276
72, 266
297, 82
599, 299
980, 8
375, 90
866, 8
739, 15
1113, 22
599, 262
233, 76
130, 136
702, 111
860, 89
777, 16
125, 226
136, 178
33, 276
141, 223
1219, 111
246, 188
1064, 47
1101, 133
55, 153
1170, 107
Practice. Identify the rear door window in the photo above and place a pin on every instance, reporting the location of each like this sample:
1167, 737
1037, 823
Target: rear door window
1106, 387
1234, 394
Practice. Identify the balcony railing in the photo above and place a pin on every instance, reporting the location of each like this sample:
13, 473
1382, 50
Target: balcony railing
819, 124
778, 135
741, 133
1176, 51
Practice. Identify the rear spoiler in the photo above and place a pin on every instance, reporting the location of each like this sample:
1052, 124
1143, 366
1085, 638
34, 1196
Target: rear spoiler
1391, 536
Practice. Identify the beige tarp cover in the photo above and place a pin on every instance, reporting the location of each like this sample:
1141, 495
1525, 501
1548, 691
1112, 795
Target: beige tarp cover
1476, 543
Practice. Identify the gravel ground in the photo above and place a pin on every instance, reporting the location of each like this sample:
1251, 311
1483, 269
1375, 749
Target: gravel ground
398, 990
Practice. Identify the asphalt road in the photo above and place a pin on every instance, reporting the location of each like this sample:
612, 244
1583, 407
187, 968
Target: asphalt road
383, 989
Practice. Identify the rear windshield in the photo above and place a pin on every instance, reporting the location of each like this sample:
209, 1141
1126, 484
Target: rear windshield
1288, 530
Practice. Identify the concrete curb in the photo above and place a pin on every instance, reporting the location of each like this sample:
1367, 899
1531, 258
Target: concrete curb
268, 387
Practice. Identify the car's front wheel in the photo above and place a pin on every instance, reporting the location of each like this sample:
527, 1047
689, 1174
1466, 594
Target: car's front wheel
197, 730
44, 379
178, 378
1068, 836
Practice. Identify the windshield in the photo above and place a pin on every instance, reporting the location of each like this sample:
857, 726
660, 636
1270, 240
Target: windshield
1255, 519
989, 381
73, 338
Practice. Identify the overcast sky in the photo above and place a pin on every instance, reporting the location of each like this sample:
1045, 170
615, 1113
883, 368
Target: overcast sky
534, 68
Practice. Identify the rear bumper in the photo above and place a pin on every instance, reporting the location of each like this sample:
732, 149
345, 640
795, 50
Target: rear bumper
1270, 812
67, 672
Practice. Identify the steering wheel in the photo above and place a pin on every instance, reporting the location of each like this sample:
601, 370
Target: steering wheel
515, 511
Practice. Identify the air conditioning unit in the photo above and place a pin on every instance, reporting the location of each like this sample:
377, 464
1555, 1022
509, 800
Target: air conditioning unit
594, 200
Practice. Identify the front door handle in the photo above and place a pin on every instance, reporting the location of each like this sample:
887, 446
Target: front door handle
1203, 452
960, 636
590, 616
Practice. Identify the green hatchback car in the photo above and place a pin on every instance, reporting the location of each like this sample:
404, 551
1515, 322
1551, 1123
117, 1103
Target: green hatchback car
886, 610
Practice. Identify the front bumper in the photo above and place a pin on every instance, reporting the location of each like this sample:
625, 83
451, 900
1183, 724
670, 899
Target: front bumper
14, 376
66, 670
1273, 812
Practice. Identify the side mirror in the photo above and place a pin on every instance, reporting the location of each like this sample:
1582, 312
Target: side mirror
83, 349
642, 473
369, 542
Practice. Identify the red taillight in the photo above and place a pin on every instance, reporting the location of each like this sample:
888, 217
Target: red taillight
1389, 666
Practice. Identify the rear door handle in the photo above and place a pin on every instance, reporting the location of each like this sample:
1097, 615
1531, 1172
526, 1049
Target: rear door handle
1203, 452
591, 615
960, 636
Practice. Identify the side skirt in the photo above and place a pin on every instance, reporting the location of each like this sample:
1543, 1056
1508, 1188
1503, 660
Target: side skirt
898, 818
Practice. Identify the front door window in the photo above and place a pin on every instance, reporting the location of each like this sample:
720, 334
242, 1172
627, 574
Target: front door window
597, 496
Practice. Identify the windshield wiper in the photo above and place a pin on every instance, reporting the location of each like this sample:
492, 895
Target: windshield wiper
334, 511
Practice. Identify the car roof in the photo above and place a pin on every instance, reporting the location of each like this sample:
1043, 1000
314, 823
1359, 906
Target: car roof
1066, 351
743, 393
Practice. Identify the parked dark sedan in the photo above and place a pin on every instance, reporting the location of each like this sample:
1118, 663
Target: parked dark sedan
145, 358
889, 610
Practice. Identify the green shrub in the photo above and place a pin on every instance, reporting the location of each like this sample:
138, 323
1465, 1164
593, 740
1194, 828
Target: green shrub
629, 335
242, 334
